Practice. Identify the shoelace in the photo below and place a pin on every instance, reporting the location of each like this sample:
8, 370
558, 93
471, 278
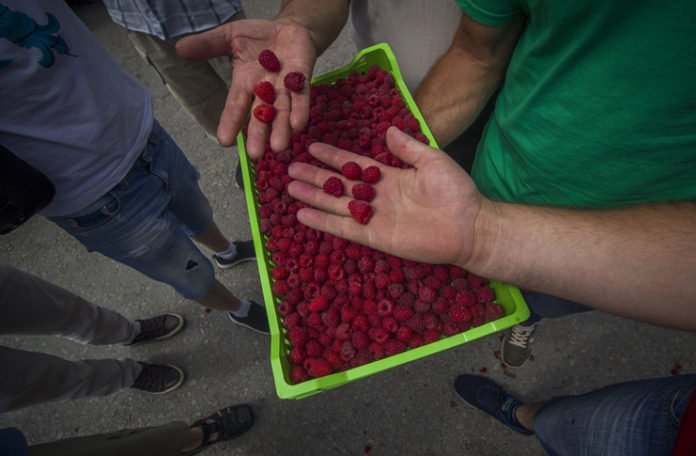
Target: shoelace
152, 327
520, 335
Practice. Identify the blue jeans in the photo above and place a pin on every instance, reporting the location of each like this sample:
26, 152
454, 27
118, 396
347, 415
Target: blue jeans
547, 306
639, 418
146, 220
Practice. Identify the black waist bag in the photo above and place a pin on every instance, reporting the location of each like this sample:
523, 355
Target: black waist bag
24, 191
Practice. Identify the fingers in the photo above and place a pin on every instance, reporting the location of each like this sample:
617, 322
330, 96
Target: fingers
316, 197
335, 157
233, 115
206, 45
343, 227
408, 149
280, 133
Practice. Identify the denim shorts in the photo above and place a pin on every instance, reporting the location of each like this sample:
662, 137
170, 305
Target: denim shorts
146, 220
639, 418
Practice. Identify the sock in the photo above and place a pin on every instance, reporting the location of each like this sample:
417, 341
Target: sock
243, 310
229, 253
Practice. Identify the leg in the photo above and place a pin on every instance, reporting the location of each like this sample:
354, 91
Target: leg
515, 350
25, 378
165, 440
30, 305
639, 418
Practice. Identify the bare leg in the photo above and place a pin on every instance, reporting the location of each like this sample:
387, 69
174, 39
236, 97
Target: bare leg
220, 298
525, 414
213, 239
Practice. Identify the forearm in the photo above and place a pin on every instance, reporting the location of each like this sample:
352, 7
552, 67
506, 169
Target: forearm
460, 84
323, 20
637, 262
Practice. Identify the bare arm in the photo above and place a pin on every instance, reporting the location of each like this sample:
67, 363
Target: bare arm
638, 262
323, 23
458, 86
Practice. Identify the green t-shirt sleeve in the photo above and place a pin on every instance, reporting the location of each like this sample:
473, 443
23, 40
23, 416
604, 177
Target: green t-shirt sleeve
491, 12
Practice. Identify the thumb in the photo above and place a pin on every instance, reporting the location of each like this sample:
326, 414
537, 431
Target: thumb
408, 149
206, 45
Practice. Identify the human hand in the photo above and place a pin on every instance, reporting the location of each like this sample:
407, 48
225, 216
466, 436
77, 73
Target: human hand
426, 213
243, 41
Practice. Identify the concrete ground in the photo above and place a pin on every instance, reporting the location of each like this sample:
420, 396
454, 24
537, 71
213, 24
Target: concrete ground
408, 410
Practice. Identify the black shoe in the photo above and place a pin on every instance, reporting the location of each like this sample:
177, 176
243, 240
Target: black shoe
229, 423
238, 176
245, 252
158, 328
485, 395
256, 319
159, 378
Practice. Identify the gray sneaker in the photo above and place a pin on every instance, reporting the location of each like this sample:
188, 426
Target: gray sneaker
515, 350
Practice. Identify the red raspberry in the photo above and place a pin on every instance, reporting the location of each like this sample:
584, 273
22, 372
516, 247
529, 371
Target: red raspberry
360, 340
292, 320
494, 311
317, 367
332, 357
427, 294
294, 81
394, 346
474, 280
440, 307
351, 170
390, 324
360, 323
297, 336
353, 251
318, 304
416, 341
298, 374
347, 351
334, 186
379, 335
297, 355
280, 288
265, 113
279, 273
450, 329
269, 61
485, 294
395, 289
371, 174
285, 308
343, 331
385, 308
381, 280
265, 91
459, 314
376, 349
362, 357
466, 299
402, 313
363, 192
331, 318
366, 264
294, 296
404, 333
430, 320
313, 348
422, 306
431, 335
361, 211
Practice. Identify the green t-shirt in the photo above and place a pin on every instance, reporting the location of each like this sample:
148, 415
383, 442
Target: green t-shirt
598, 107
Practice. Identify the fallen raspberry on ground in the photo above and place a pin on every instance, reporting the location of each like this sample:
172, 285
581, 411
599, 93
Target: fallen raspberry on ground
334, 186
361, 211
351, 170
265, 113
371, 174
265, 91
363, 192
269, 61
294, 81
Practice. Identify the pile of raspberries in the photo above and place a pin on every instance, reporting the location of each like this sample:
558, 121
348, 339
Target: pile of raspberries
344, 304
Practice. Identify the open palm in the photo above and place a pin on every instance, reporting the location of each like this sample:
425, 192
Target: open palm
243, 40
425, 213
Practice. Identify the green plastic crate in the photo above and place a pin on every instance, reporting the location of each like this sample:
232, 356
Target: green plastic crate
507, 296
